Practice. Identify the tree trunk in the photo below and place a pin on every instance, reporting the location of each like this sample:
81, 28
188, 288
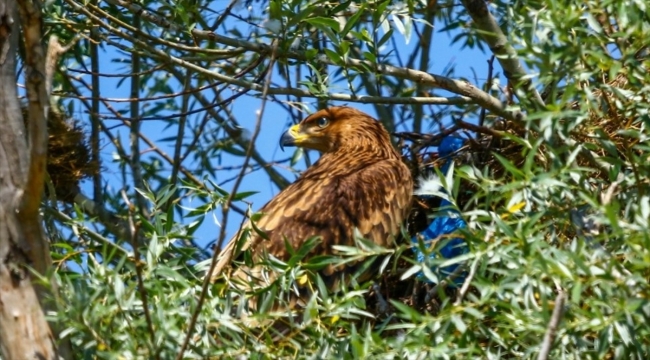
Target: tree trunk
24, 332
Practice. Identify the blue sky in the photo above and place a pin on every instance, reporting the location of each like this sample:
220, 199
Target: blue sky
467, 63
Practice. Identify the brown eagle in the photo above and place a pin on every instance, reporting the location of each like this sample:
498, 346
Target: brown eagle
359, 184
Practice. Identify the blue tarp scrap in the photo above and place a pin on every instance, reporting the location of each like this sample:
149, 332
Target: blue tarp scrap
446, 222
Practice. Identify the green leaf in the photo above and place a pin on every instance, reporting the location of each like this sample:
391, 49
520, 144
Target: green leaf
334, 57
321, 22
352, 21
243, 195
297, 155
509, 166
459, 323
384, 39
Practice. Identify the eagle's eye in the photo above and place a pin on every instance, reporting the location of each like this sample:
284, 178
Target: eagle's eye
323, 122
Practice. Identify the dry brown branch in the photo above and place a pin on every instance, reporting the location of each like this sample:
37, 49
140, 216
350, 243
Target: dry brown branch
38, 105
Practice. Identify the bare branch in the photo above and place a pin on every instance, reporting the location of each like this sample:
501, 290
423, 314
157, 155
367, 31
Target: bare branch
134, 131
226, 210
556, 317
38, 105
463, 290
94, 118
505, 53
177, 160
138, 271
236, 135
91, 234
212, 54
422, 78
444, 283
481, 118
111, 222
425, 50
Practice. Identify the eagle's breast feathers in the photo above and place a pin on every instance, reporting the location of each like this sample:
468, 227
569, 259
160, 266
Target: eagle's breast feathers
359, 182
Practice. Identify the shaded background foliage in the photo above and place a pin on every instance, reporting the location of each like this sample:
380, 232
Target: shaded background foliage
553, 183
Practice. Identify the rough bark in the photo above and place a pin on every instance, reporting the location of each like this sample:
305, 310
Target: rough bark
24, 332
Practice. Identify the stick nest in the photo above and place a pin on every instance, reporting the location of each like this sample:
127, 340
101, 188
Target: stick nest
69, 159
602, 133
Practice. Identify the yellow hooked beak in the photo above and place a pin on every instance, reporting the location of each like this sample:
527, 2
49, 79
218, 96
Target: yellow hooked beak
292, 137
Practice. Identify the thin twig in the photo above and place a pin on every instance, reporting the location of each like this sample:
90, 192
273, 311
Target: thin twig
459, 87
480, 129
134, 132
481, 118
92, 234
190, 176
176, 161
235, 135
556, 317
143, 72
94, 209
463, 290
219, 53
141, 99
425, 44
506, 54
443, 284
224, 15
138, 272
94, 118
225, 210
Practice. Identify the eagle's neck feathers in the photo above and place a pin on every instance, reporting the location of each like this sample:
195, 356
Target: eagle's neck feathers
350, 158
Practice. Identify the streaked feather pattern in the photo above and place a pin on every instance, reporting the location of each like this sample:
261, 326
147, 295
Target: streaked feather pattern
359, 182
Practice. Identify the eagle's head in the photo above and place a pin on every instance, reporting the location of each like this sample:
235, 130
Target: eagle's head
339, 128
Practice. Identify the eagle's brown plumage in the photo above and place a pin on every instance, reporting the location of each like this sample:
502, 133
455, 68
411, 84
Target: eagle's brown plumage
358, 182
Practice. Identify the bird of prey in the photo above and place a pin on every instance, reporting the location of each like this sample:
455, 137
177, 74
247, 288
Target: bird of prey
358, 187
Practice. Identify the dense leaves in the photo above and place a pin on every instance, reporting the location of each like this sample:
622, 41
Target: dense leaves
554, 185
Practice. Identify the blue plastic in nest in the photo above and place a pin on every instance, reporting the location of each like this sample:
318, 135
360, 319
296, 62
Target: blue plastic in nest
447, 222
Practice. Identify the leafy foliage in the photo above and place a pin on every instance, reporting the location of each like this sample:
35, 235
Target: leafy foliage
555, 192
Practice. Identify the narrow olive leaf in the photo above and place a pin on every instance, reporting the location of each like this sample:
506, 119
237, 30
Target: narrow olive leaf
411, 271
320, 22
322, 288
244, 194
319, 262
459, 323
259, 231
623, 332
352, 21
334, 56
297, 155
406, 310
509, 166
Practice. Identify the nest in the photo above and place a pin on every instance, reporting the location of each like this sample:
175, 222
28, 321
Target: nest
69, 159
603, 132
605, 123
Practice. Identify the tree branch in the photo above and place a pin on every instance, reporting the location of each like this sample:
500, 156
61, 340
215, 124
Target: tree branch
38, 105
556, 317
134, 132
459, 87
505, 53
24, 332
